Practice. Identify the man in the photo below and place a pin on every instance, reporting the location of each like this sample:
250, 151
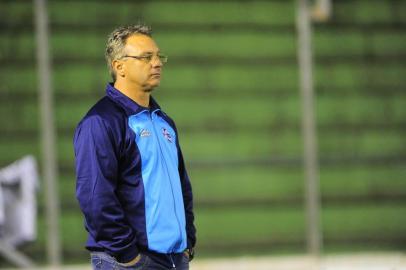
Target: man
132, 185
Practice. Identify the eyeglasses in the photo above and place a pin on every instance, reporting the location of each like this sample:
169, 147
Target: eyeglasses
148, 58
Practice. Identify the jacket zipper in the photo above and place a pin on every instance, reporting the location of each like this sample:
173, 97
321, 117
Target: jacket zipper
170, 182
173, 264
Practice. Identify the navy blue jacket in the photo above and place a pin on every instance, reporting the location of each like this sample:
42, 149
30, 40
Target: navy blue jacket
132, 185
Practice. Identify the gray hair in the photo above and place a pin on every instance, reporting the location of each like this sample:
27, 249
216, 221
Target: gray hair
117, 40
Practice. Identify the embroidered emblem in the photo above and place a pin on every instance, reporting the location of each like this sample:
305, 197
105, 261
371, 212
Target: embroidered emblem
166, 134
145, 133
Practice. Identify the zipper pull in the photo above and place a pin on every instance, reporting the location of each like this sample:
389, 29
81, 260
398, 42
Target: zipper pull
173, 264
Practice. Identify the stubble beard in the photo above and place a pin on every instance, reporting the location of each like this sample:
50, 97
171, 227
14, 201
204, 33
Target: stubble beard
149, 88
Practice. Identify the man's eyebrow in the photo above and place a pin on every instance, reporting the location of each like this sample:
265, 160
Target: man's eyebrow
144, 53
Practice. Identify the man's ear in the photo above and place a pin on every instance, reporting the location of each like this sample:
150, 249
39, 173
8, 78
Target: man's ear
118, 67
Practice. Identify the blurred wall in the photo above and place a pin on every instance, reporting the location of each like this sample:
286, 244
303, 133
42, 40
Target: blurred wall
231, 84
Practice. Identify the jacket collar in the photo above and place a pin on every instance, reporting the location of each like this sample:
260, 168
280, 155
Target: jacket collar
129, 105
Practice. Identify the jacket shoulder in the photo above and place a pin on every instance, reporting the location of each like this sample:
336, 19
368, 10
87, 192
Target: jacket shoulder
105, 120
104, 110
105, 113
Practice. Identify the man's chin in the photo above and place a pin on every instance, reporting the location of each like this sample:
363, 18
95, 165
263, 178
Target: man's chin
150, 88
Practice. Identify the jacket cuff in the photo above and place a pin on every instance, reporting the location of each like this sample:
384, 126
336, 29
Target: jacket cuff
127, 255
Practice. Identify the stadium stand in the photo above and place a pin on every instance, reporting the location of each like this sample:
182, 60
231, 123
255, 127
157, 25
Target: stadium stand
231, 83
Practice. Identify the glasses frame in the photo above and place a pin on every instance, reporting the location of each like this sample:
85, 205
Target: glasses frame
148, 58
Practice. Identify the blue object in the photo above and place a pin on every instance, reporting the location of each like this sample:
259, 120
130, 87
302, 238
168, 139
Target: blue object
132, 185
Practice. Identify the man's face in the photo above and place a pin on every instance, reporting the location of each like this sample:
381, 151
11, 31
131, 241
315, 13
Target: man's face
142, 71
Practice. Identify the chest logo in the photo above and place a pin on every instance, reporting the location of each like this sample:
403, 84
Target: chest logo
167, 135
145, 133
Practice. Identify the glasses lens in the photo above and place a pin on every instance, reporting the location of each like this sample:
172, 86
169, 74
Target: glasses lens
147, 58
163, 58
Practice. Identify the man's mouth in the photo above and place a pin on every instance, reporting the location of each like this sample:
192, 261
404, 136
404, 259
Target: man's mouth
156, 75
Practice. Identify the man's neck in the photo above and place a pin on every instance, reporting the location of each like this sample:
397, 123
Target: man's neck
135, 93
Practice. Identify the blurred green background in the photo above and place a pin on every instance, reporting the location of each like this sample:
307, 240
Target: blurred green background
231, 84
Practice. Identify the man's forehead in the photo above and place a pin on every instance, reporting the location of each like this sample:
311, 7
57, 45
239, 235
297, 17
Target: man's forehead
141, 43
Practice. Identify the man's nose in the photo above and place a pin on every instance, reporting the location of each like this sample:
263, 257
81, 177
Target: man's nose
156, 62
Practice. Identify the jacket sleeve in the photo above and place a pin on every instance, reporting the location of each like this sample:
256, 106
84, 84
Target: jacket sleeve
96, 171
187, 198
